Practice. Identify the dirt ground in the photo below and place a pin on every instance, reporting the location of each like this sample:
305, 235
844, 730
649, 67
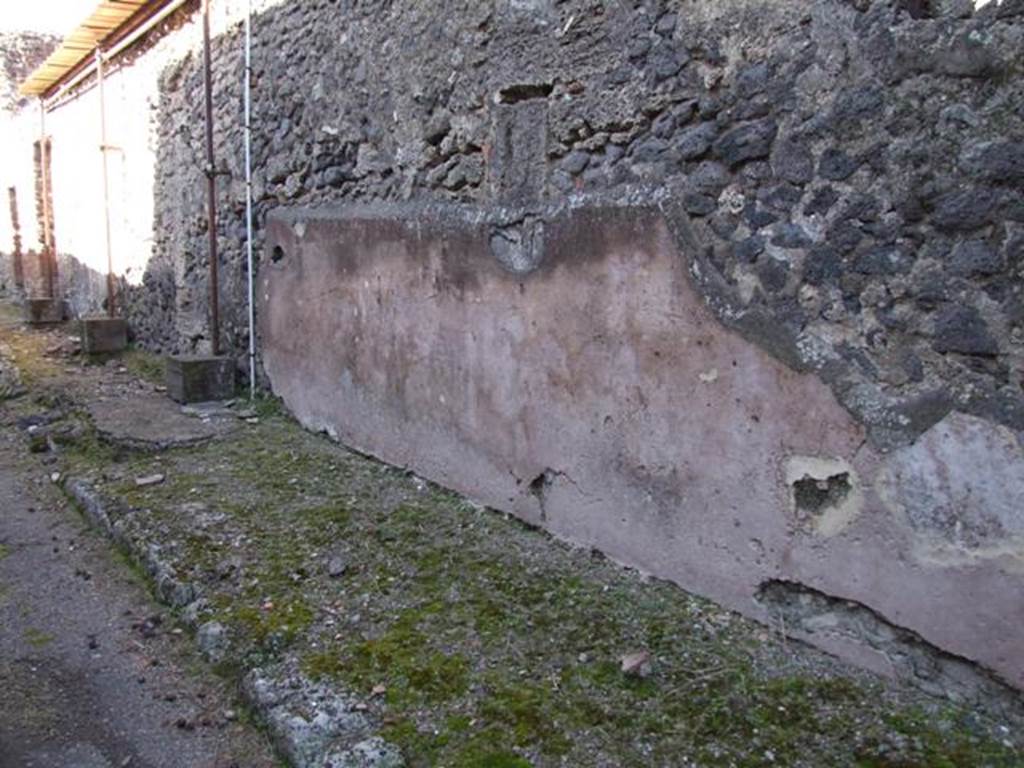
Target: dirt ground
463, 637
94, 673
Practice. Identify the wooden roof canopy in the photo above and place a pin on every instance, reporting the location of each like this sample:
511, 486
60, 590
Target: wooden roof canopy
113, 20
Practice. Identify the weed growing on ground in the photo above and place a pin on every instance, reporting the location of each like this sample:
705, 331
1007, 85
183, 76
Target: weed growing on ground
144, 364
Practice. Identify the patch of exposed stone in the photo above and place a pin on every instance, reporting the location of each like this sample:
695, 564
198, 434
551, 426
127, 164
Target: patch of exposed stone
912, 658
313, 724
155, 423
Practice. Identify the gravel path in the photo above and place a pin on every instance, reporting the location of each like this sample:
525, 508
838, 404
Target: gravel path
92, 674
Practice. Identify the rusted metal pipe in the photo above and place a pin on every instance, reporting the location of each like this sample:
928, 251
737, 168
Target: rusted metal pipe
48, 257
247, 97
111, 309
211, 185
19, 266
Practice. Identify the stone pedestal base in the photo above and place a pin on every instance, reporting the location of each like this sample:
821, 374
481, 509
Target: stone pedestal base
42, 311
103, 334
197, 379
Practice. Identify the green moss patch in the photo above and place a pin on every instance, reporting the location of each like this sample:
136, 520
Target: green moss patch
37, 638
144, 364
476, 641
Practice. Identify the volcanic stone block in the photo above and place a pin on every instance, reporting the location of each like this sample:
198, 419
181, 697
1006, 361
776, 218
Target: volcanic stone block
103, 334
41, 311
518, 167
197, 379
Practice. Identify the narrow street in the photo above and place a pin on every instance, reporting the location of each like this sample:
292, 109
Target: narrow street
512, 384
93, 673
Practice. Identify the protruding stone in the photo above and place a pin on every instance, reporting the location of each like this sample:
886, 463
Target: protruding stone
975, 257
962, 330
336, 567
213, 640
746, 142
965, 209
792, 162
836, 165
695, 141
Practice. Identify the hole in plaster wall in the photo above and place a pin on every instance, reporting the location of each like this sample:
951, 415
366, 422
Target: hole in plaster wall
540, 483
539, 488
277, 254
825, 496
512, 94
815, 496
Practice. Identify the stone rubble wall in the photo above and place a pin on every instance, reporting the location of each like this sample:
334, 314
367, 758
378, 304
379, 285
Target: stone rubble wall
20, 53
853, 171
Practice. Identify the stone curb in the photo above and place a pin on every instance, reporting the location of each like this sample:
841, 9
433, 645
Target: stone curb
311, 724
138, 445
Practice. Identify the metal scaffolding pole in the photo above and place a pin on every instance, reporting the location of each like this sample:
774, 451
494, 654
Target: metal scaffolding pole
248, 194
49, 258
211, 186
111, 310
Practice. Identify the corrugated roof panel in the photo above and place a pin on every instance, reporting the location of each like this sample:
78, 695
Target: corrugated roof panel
108, 17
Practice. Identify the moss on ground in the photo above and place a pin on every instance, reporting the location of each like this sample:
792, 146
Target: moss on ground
266, 405
35, 367
37, 638
144, 364
476, 641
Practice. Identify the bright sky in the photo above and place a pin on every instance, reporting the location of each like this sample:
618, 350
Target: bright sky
57, 17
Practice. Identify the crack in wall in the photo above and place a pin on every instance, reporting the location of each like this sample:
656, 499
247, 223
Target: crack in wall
540, 486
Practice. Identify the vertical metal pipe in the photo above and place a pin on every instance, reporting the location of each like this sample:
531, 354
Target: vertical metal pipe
48, 257
111, 310
211, 185
19, 266
248, 194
